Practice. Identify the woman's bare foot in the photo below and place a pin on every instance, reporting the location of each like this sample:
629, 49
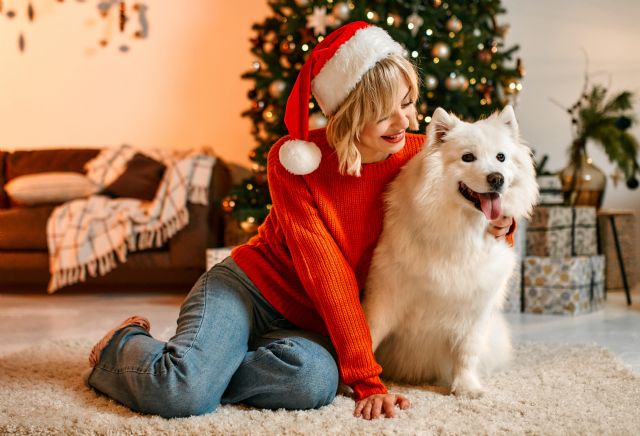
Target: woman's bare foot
97, 348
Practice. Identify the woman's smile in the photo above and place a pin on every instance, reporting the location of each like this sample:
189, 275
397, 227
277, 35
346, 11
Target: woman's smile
395, 138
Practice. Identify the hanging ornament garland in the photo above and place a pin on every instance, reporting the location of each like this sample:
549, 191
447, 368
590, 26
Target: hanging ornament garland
124, 11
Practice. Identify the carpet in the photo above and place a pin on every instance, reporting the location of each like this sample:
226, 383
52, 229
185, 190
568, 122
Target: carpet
549, 389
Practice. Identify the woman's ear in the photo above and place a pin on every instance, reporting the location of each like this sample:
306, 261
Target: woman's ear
441, 123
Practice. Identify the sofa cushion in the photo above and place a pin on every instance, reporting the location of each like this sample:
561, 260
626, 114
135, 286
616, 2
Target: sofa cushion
140, 179
24, 228
24, 162
49, 188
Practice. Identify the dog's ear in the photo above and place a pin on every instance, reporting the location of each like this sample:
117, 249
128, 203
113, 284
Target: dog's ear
508, 117
441, 123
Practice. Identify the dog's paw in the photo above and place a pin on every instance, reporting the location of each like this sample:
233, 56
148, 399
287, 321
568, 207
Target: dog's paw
468, 386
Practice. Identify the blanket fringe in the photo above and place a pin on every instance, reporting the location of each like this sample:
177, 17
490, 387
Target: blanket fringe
104, 264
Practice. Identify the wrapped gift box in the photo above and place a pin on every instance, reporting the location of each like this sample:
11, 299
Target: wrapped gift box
558, 231
550, 190
217, 255
572, 285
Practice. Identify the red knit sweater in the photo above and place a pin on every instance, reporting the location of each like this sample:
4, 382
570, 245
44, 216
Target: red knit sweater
311, 257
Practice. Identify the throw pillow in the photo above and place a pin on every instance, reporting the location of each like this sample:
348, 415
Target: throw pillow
49, 188
139, 180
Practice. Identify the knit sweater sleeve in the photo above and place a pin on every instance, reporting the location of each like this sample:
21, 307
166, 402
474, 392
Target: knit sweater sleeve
326, 276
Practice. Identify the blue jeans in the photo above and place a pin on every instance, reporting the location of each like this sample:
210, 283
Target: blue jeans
230, 346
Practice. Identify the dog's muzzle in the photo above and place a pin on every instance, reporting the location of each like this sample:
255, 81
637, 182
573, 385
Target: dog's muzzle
489, 203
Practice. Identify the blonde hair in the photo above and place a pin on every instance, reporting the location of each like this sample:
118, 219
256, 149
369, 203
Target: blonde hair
374, 97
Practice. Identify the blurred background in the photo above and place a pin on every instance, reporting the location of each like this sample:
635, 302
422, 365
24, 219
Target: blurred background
69, 78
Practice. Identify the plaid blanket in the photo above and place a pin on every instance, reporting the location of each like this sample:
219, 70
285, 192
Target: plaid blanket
86, 236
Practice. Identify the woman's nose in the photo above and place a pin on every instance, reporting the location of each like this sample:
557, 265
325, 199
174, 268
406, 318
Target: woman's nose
400, 119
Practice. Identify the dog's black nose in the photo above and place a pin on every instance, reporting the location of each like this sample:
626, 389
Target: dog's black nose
496, 180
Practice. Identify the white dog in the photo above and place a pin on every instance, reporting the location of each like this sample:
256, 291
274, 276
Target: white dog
437, 280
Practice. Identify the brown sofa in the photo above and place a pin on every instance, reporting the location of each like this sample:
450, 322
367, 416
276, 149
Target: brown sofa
24, 262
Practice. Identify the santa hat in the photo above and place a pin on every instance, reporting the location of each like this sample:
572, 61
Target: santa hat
332, 71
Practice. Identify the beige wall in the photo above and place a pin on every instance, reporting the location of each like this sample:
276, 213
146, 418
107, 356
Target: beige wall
554, 36
182, 87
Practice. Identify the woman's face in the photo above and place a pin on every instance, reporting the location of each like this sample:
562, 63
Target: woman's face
383, 137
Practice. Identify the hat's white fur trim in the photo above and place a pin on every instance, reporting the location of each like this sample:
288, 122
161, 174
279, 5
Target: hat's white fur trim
340, 75
300, 157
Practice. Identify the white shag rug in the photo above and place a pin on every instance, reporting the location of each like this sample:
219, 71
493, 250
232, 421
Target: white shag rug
549, 389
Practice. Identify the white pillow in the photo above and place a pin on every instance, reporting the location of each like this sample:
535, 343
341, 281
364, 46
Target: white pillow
53, 187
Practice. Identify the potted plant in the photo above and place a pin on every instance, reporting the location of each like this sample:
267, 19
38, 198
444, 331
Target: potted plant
604, 121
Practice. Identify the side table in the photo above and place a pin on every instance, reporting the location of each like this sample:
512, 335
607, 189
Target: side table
610, 215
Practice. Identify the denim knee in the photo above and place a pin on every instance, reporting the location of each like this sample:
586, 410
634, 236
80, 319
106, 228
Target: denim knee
189, 400
314, 380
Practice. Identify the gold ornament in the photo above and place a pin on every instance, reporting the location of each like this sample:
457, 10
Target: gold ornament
317, 121
414, 23
394, 20
285, 63
430, 82
249, 225
485, 56
277, 88
270, 115
373, 16
441, 50
267, 47
341, 11
454, 24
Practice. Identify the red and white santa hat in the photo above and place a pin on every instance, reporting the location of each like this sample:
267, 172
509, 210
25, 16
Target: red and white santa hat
332, 71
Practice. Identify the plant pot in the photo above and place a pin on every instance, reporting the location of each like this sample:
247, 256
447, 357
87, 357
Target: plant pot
583, 183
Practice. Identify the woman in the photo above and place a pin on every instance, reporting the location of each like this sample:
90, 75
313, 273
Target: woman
279, 323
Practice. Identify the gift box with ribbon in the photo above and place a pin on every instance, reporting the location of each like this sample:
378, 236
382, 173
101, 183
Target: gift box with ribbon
572, 285
559, 231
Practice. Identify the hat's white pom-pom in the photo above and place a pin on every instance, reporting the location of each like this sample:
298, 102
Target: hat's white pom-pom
300, 157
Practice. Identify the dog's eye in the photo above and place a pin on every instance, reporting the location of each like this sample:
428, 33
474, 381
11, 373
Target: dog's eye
468, 157
500, 157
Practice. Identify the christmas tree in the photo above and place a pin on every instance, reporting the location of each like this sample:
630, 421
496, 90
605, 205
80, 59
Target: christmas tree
458, 47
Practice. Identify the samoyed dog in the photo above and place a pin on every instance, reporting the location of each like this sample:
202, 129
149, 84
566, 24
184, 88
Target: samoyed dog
437, 280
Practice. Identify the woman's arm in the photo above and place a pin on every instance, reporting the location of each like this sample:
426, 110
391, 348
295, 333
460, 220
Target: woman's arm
326, 276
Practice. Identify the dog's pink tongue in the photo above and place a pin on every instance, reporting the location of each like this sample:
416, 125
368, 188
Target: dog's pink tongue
490, 205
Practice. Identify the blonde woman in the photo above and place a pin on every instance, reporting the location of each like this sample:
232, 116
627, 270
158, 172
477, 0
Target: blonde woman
279, 324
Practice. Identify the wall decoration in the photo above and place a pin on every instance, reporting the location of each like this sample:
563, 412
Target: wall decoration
29, 14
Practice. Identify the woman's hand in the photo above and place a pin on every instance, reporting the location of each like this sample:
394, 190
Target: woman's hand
373, 406
500, 226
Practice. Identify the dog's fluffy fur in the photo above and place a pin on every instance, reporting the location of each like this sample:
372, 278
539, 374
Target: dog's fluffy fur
437, 280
